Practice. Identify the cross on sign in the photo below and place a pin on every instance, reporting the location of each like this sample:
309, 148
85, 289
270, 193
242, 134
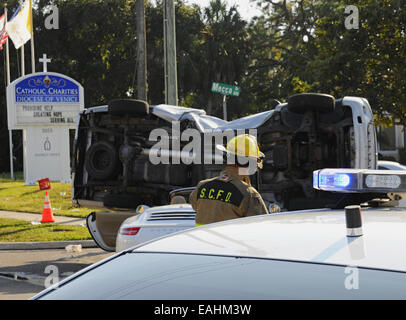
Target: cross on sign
45, 61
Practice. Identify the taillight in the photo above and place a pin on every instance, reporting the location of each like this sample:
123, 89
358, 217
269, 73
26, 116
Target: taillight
129, 231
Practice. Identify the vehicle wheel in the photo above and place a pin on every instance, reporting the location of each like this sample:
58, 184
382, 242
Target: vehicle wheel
302, 102
128, 106
102, 160
116, 201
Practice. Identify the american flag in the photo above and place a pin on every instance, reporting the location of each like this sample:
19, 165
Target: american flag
3, 33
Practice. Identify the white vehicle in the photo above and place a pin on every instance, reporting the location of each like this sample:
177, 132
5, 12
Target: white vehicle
112, 168
112, 234
308, 132
153, 223
354, 253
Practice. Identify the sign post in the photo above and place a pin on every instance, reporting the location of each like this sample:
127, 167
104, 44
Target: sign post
45, 106
225, 107
225, 90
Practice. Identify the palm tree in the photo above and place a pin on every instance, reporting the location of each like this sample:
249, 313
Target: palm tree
223, 48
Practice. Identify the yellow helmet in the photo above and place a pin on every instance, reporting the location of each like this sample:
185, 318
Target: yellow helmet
244, 145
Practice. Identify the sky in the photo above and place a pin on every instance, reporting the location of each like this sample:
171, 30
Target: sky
246, 8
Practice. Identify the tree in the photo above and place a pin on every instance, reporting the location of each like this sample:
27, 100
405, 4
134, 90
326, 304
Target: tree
96, 45
221, 53
279, 50
188, 27
315, 51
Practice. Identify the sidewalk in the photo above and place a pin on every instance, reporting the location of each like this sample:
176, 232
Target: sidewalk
37, 217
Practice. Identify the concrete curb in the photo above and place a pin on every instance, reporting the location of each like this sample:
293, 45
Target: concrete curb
45, 245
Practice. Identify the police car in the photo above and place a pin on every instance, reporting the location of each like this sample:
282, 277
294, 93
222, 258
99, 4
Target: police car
119, 231
347, 253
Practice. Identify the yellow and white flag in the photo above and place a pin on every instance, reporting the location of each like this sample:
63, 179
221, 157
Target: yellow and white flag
19, 28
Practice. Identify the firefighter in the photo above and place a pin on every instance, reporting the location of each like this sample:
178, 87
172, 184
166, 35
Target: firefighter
230, 195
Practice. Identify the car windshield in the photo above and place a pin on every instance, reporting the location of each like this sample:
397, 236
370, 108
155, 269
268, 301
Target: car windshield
180, 193
172, 276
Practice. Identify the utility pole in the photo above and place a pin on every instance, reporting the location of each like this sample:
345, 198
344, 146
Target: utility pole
141, 52
171, 78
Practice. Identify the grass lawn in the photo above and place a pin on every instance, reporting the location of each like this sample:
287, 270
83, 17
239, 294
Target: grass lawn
16, 196
13, 230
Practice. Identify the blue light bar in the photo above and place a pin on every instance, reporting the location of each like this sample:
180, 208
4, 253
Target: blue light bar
315, 179
360, 180
335, 180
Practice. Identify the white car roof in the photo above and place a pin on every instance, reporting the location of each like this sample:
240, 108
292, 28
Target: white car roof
311, 235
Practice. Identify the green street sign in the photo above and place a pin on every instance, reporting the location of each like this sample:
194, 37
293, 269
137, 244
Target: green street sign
225, 89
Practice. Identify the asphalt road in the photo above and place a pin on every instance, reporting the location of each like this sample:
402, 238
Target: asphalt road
24, 273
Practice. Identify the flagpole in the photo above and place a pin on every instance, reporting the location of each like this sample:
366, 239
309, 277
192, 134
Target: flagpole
32, 42
22, 61
7, 53
10, 131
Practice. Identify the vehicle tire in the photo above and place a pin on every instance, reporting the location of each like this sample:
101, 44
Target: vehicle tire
102, 160
120, 201
128, 106
302, 102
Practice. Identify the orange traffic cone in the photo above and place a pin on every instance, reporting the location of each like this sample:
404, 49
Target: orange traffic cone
47, 215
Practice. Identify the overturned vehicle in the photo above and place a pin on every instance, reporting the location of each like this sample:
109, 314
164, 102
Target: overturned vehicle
112, 165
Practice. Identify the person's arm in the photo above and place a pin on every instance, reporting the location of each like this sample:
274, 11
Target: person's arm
253, 204
193, 198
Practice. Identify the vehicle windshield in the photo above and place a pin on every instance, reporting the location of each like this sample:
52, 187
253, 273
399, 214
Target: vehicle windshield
173, 276
184, 193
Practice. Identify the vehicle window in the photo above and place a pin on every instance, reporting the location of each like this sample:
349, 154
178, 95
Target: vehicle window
151, 276
387, 138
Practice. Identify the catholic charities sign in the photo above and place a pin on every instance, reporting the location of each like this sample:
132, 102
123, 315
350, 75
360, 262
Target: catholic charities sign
44, 99
45, 106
